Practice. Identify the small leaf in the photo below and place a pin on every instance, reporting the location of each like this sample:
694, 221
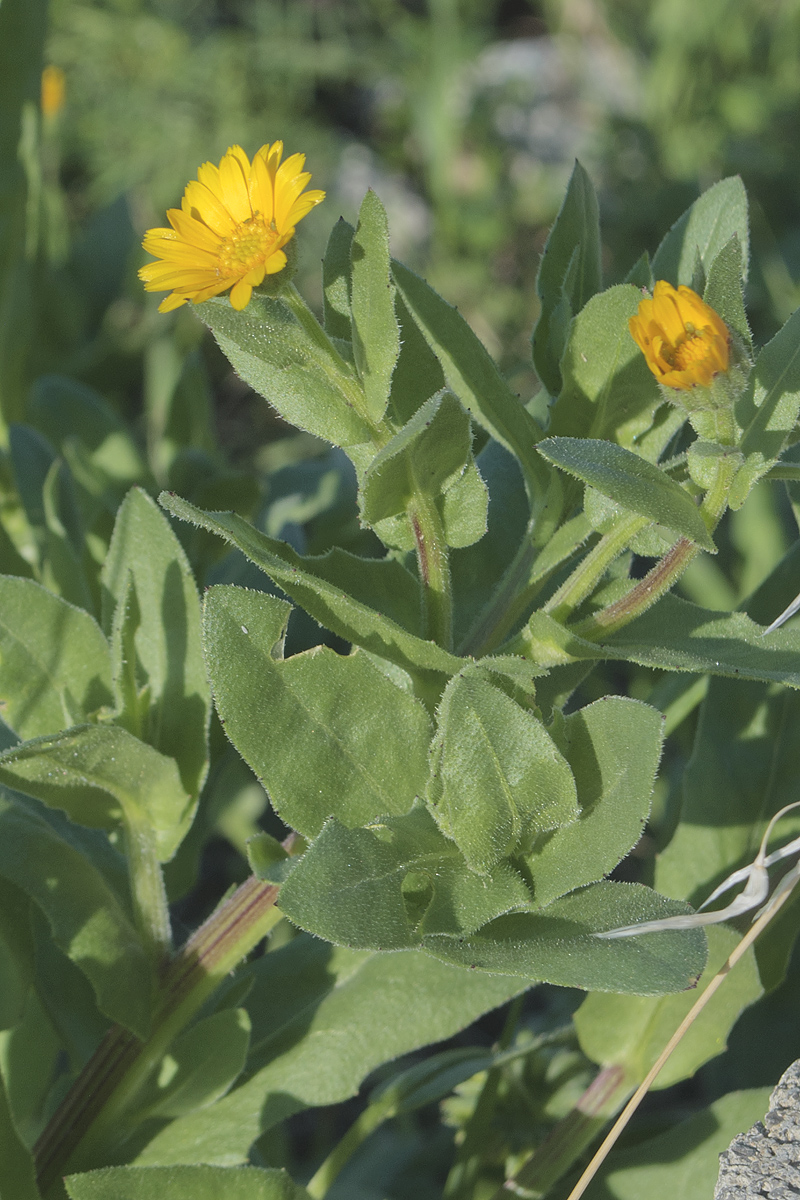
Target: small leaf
497, 779
146, 556
724, 290
472, 374
608, 391
675, 635
631, 481
374, 603
336, 281
270, 350
613, 748
86, 917
95, 773
55, 667
704, 229
376, 335
569, 272
556, 945
768, 410
383, 887
326, 734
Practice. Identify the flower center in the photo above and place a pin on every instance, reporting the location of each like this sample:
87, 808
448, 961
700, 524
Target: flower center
250, 245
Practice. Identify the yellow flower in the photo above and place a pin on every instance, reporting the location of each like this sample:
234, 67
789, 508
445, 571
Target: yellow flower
53, 90
684, 342
230, 229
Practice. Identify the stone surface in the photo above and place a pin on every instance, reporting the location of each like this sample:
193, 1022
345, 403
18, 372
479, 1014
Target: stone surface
765, 1161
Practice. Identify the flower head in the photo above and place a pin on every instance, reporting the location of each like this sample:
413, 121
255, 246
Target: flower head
230, 229
684, 342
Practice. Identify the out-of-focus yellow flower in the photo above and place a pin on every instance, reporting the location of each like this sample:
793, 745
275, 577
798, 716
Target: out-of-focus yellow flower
684, 342
53, 90
230, 229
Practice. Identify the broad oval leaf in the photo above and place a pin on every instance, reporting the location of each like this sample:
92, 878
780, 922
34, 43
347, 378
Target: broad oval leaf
702, 231
184, 1183
497, 779
327, 735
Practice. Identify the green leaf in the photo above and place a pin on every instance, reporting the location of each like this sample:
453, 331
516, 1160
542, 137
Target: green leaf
64, 409
724, 290
323, 1019
768, 410
631, 1031
17, 1172
556, 944
428, 454
675, 635
374, 603
569, 274
184, 1183
497, 779
86, 918
684, 1161
97, 773
376, 335
55, 667
471, 373
306, 382
418, 374
326, 734
336, 284
168, 645
704, 230
608, 390
631, 481
200, 1066
384, 887
613, 748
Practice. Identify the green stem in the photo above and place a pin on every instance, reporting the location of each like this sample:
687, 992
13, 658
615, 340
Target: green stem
332, 361
433, 559
570, 1136
147, 888
591, 569
667, 570
90, 1120
369, 1120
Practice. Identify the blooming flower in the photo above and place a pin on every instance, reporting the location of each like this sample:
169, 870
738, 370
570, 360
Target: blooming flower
684, 342
230, 229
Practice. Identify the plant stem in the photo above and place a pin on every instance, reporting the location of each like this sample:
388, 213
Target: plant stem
570, 1136
433, 559
147, 888
593, 567
90, 1120
667, 570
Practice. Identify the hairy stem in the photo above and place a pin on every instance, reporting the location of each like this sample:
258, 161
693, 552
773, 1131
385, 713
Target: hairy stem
433, 560
90, 1120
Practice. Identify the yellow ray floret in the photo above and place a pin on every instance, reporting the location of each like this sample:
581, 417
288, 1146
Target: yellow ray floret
684, 342
231, 228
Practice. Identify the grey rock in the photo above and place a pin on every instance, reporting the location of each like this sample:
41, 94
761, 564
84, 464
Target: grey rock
765, 1161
